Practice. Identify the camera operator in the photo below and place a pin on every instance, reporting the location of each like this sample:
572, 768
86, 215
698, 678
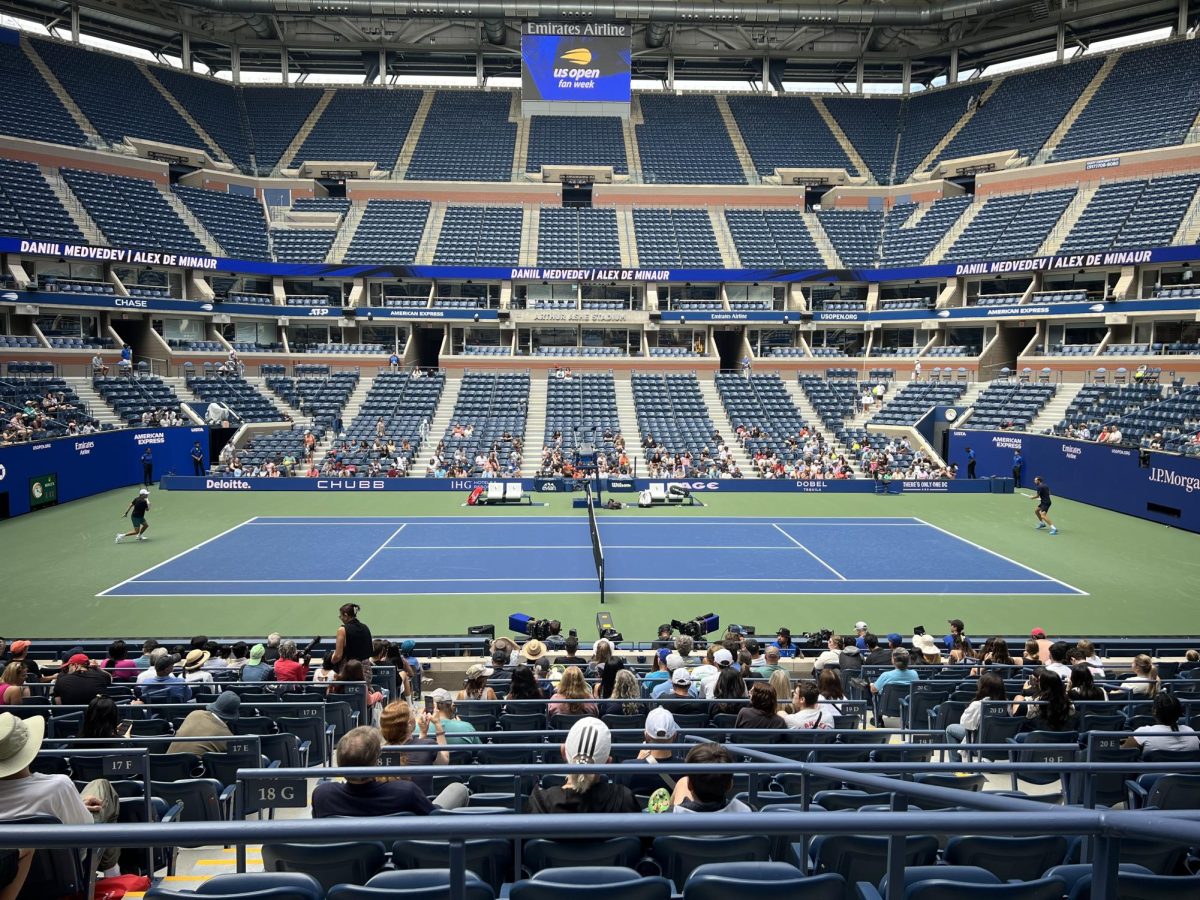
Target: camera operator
553, 638
664, 638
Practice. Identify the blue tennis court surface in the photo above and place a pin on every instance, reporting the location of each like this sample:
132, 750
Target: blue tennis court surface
291, 556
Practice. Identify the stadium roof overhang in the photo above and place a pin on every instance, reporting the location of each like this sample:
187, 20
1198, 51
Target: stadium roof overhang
705, 39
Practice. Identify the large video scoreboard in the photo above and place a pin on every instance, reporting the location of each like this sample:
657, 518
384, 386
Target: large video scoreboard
575, 69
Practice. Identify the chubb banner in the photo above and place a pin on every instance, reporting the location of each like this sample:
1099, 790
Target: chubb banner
576, 62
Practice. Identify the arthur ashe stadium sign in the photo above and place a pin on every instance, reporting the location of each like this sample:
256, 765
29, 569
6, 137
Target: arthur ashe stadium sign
137, 256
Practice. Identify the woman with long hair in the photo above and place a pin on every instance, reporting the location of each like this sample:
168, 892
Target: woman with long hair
763, 711
101, 719
573, 697
347, 682
1166, 733
1047, 708
989, 687
730, 686
608, 676
601, 653
118, 664
1144, 682
829, 685
475, 686
1083, 684
783, 690
524, 686
624, 700
402, 726
12, 685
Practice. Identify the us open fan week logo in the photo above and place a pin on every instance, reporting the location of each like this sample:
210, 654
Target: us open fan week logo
577, 75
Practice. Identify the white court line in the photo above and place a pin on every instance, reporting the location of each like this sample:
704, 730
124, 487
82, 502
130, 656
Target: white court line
377, 549
810, 553
1069, 587
477, 595
105, 593
593, 578
659, 548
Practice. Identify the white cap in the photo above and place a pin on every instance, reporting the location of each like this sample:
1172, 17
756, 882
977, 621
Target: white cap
723, 658
674, 661
589, 742
679, 676
143, 493
661, 724
860, 626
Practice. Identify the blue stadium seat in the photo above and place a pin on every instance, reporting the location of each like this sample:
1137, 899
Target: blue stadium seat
425, 884
591, 882
780, 881
265, 885
467, 136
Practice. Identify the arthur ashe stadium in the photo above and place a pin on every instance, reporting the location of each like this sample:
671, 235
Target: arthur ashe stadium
421, 419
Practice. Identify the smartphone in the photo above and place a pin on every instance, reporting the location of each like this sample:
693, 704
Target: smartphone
124, 727
920, 629
429, 704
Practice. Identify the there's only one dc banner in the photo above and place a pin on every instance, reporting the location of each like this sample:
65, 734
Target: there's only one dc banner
573, 63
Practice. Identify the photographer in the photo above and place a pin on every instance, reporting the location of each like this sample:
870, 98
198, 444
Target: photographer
293, 664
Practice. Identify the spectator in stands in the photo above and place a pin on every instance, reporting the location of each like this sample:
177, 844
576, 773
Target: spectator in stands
353, 638
1088, 649
532, 651
770, 664
1144, 681
12, 685
900, 673
664, 638
763, 711
155, 655
588, 743
361, 748
79, 681
660, 729
927, 648
709, 792
165, 686
525, 686
272, 647
475, 686
554, 639
238, 652
204, 724
255, 669
193, 667
990, 688
860, 635
783, 690
573, 696
957, 636
143, 662
810, 712
602, 652
325, 674
783, 641
723, 659
19, 652
444, 711
351, 683
292, 665
685, 646
99, 366
681, 690
829, 684
1058, 661
1032, 654
625, 699
1083, 685
402, 727
996, 653
118, 664
660, 673
1166, 733
850, 658
1045, 704
876, 655
608, 677
102, 721
728, 692
26, 793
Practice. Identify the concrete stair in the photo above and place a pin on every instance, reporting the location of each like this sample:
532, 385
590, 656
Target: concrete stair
627, 237
627, 420
847, 146
433, 231
828, 254
259, 383
535, 423
529, 236
1188, 232
288, 159
350, 411
209, 242
521, 150
74, 207
345, 233
444, 413
633, 156
1054, 411
932, 156
51, 79
1067, 220
739, 143
98, 409
955, 232
409, 147
729, 254
720, 418
1077, 107
213, 147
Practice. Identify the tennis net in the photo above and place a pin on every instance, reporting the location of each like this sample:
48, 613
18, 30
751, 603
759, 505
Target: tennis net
597, 547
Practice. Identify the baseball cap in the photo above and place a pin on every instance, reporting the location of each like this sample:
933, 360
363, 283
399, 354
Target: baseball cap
441, 695
664, 652
723, 658
79, 659
783, 630
408, 646
19, 647
1038, 633
681, 676
860, 626
894, 638
588, 742
661, 724
144, 493
479, 669
674, 661
257, 652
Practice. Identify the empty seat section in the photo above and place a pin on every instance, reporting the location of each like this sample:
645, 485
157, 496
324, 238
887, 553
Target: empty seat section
480, 235
404, 404
116, 97
275, 115
672, 412
1126, 215
132, 213
1149, 99
389, 232
130, 397
29, 208
925, 120
773, 238
855, 234
491, 412
466, 137
301, 245
361, 124
914, 400
1009, 404
22, 89
568, 237
581, 409
237, 394
787, 132
576, 140
1010, 226
1010, 121
871, 125
235, 220
676, 238
216, 107
683, 140
906, 244
762, 402
321, 397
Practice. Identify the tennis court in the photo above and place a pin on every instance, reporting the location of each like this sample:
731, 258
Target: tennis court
291, 556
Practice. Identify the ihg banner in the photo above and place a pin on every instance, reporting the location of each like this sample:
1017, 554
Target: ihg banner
575, 69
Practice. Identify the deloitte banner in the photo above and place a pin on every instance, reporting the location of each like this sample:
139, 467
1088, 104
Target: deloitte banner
47, 472
567, 63
1163, 487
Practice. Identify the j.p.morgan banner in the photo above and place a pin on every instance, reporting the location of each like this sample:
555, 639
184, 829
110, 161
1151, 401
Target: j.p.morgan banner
565, 62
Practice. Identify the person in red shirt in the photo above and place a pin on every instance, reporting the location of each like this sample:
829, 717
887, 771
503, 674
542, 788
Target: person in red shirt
292, 665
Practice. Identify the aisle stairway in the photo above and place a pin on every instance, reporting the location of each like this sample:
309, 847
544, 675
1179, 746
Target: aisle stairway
627, 416
716, 412
1056, 410
535, 425
441, 418
97, 407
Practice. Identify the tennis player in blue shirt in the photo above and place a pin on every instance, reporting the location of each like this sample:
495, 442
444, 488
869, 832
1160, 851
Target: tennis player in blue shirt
1043, 508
